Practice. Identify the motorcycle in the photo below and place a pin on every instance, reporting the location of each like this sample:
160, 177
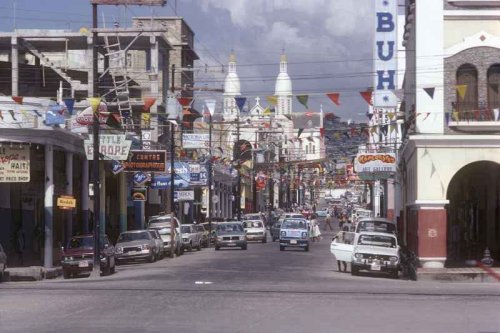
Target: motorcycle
409, 263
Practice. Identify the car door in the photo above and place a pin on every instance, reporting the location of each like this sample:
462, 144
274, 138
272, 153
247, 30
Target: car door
342, 246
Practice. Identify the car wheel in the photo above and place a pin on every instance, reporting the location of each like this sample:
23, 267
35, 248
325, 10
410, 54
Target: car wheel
264, 240
199, 246
395, 274
66, 274
217, 248
354, 271
282, 248
107, 270
151, 258
306, 248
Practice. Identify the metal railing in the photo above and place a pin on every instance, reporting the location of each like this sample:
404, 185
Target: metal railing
474, 112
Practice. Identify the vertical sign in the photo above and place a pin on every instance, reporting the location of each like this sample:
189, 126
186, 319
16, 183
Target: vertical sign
385, 52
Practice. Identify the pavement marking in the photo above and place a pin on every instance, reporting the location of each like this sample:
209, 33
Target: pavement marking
203, 282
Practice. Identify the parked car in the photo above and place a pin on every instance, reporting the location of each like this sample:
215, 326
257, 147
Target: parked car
376, 224
191, 238
204, 234
162, 223
214, 228
371, 251
3, 262
255, 230
159, 243
78, 256
137, 244
275, 230
230, 234
294, 232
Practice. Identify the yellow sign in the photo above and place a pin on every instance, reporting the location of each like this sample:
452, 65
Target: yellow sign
66, 202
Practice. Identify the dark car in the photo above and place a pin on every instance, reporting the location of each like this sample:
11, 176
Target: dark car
78, 256
230, 234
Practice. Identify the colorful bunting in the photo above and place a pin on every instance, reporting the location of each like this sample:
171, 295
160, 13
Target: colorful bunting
454, 115
267, 111
367, 96
334, 97
303, 100
70, 103
240, 102
384, 129
210, 105
148, 103
185, 101
370, 116
390, 115
462, 90
430, 92
94, 103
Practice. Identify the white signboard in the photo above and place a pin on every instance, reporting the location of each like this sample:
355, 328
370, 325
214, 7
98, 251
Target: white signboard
195, 141
375, 162
14, 164
385, 53
184, 195
111, 146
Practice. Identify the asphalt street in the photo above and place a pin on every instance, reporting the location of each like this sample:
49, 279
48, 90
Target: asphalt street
258, 290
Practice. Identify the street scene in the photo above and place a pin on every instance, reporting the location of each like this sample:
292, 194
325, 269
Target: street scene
249, 166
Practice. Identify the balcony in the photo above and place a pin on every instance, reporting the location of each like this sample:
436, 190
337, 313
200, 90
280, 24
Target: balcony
473, 117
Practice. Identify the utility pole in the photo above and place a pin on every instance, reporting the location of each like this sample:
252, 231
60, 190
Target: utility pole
95, 130
238, 180
172, 171
209, 180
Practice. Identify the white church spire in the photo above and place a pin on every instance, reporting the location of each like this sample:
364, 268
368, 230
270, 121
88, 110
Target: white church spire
283, 88
231, 89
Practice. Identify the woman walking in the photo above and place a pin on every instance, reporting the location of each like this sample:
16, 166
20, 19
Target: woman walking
315, 232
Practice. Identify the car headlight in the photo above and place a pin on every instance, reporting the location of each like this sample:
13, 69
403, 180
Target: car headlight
394, 258
283, 233
358, 256
146, 247
304, 234
219, 238
184, 239
68, 258
119, 250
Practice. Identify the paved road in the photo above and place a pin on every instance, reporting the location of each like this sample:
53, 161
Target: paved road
258, 290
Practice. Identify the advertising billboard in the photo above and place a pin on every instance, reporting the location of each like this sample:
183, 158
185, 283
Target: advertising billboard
15, 164
146, 161
375, 162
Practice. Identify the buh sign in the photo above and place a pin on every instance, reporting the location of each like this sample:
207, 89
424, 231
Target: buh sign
385, 53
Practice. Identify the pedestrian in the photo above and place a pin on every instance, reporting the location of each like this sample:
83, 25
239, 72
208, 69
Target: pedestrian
347, 226
340, 238
339, 262
328, 221
20, 245
315, 232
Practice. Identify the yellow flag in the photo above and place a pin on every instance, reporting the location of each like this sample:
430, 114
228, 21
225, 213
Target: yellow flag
390, 115
454, 115
94, 103
267, 111
146, 117
462, 90
374, 129
273, 100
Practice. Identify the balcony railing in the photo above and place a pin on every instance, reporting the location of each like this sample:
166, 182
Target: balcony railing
475, 117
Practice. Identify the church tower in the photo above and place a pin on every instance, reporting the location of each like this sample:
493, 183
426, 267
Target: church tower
283, 89
231, 90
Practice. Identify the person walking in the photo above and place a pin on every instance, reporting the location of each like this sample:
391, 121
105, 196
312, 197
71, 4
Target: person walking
328, 221
315, 232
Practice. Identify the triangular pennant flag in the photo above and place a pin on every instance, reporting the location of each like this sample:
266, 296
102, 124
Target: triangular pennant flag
430, 92
384, 129
462, 90
370, 116
447, 118
267, 111
23, 112
148, 103
94, 103
310, 139
367, 96
494, 87
184, 101
374, 129
18, 99
334, 97
273, 100
240, 102
210, 105
12, 115
113, 121
303, 100
454, 115
70, 103
390, 115
300, 132
392, 128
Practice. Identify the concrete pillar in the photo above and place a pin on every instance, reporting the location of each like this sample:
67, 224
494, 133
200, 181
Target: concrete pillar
69, 191
102, 189
49, 206
122, 197
90, 67
15, 65
85, 196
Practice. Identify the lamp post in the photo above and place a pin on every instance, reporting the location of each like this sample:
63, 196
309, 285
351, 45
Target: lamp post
209, 180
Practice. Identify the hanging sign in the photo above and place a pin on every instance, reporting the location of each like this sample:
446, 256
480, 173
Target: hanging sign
184, 195
15, 164
140, 178
385, 53
195, 141
111, 146
66, 202
375, 162
139, 194
146, 161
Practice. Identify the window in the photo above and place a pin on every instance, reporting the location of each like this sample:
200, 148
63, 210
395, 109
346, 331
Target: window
307, 149
494, 86
467, 76
314, 149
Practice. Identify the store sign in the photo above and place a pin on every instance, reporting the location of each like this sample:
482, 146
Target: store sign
195, 141
184, 195
140, 178
185, 175
14, 164
375, 162
66, 202
385, 53
111, 146
146, 161
139, 194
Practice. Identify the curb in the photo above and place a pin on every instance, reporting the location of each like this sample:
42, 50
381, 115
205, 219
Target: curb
32, 273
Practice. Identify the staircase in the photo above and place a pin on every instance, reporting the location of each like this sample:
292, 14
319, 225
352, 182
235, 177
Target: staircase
75, 84
119, 75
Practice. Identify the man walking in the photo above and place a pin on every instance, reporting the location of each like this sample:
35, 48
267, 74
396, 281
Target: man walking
328, 221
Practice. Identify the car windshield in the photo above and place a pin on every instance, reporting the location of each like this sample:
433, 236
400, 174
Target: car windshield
159, 220
251, 217
185, 229
293, 224
78, 242
153, 234
376, 226
229, 228
133, 236
163, 231
252, 224
377, 240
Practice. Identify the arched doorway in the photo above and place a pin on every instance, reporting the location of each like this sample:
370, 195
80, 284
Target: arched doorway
474, 213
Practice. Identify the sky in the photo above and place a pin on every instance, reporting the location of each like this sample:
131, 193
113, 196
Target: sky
328, 42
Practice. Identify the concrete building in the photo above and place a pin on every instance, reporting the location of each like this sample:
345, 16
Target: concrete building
450, 158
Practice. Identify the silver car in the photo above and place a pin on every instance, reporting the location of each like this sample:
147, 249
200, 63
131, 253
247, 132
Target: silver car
191, 238
3, 262
133, 245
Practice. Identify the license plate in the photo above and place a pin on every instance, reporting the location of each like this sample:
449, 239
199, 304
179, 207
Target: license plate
231, 244
83, 264
293, 241
375, 267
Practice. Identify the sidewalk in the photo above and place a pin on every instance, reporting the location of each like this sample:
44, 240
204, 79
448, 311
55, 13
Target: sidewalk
464, 274
31, 273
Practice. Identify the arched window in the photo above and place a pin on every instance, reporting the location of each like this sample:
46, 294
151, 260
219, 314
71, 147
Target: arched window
494, 86
467, 75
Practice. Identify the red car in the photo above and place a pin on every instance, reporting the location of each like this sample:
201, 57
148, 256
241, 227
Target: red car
78, 256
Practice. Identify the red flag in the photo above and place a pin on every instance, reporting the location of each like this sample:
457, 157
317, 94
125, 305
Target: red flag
367, 96
148, 103
18, 99
334, 97
184, 101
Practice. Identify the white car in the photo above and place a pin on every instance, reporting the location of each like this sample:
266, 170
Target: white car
255, 231
162, 223
191, 238
372, 251
376, 224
